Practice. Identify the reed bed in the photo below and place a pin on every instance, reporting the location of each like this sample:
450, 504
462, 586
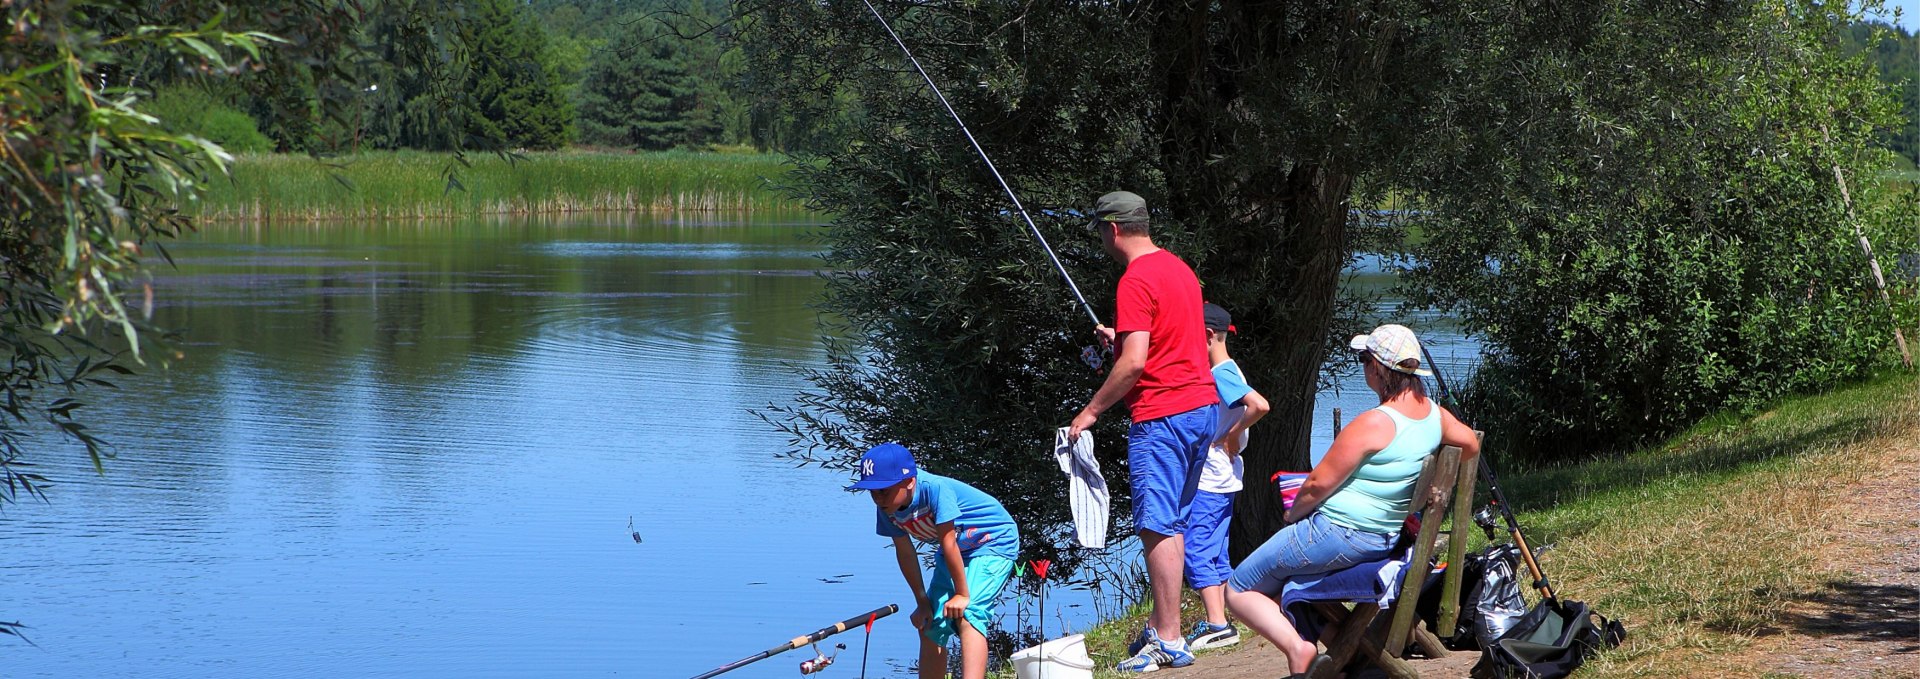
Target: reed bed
413, 185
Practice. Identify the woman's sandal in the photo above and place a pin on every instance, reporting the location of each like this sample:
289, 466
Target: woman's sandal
1318, 661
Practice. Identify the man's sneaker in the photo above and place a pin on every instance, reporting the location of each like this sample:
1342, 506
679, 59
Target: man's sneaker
1139, 642
1207, 635
1156, 654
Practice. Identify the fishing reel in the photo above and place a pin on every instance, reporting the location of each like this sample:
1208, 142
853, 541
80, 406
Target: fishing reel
1093, 357
1484, 518
820, 661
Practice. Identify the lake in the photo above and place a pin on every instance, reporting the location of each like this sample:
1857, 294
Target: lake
413, 449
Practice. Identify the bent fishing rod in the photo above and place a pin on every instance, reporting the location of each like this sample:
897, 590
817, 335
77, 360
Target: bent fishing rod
1493, 486
803, 640
1022, 209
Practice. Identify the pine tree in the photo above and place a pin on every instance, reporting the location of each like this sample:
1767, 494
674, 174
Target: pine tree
638, 93
513, 98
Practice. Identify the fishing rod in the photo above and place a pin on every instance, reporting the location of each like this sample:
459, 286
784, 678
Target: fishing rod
803, 640
1035, 229
1493, 485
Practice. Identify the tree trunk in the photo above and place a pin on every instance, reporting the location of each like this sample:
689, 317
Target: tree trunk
1284, 363
1275, 245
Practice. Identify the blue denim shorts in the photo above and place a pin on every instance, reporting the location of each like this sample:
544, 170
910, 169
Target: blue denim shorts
1164, 458
1315, 545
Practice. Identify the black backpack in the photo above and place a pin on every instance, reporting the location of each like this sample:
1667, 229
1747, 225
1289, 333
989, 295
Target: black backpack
1550, 641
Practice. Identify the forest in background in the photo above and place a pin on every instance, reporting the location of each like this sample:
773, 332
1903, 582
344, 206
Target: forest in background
628, 74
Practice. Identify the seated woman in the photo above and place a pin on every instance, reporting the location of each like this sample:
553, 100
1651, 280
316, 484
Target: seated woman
1351, 508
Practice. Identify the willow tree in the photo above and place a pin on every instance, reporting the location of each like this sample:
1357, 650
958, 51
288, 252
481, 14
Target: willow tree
1254, 129
1251, 128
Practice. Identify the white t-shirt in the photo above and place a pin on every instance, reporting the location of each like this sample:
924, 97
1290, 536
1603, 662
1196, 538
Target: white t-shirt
1222, 472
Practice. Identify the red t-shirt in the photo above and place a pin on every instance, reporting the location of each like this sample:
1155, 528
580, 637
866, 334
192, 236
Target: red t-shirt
1160, 295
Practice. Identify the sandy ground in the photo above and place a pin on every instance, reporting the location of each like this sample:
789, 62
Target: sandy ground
1255, 658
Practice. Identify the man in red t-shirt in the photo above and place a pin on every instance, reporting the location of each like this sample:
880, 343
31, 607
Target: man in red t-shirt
1161, 371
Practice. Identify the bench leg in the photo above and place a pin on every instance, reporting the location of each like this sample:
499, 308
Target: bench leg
1346, 636
1393, 667
1429, 644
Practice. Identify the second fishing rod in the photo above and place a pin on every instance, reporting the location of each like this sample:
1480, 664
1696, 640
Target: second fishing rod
991, 168
1492, 482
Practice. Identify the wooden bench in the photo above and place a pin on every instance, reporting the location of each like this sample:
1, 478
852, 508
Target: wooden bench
1364, 635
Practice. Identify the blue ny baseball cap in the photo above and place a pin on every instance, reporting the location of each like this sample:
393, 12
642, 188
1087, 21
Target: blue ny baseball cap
884, 465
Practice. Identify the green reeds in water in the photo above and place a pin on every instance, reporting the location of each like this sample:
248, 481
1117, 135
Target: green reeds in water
413, 185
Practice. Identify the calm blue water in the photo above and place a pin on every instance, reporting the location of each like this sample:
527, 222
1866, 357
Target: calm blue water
413, 449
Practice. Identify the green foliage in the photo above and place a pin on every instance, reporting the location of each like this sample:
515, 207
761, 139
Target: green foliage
638, 93
90, 183
189, 110
512, 96
1640, 247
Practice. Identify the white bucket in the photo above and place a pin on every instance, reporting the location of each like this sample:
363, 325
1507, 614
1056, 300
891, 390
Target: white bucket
1064, 658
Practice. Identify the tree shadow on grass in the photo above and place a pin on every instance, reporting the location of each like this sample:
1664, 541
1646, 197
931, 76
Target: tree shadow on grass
1859, 611
1706, 455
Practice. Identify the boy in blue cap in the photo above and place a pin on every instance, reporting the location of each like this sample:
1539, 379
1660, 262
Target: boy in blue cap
977, 542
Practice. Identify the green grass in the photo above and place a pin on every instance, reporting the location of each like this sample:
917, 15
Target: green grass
1701, 543
408, 184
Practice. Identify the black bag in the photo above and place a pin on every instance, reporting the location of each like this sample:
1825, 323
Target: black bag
1548, 642
1486, 604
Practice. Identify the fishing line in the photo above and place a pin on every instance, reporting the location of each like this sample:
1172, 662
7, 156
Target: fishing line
1035, 229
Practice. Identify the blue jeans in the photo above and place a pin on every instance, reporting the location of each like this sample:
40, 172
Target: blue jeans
1315, 545
1164, 458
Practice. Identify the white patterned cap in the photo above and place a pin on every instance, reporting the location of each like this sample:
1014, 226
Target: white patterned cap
1392, 345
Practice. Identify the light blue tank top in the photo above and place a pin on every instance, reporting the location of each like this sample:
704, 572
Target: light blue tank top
1376, 497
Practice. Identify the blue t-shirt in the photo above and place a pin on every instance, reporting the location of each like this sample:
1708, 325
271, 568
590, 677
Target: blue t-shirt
981, 524
1230, 383
1222, 472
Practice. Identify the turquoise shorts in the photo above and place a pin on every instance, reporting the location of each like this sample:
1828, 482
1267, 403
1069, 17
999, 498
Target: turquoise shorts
986, 576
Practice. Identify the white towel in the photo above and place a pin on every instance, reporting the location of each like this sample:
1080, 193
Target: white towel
1088, 492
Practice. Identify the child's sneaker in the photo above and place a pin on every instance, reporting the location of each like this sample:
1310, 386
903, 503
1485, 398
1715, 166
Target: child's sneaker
1207, 635
1155, 654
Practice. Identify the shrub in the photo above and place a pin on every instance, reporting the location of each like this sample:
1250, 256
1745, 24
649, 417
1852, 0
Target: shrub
1654, 245
186, 109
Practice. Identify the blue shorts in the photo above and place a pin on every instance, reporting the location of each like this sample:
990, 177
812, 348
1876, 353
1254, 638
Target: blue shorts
1164, 459
1207, 521
1315, 545
986, 576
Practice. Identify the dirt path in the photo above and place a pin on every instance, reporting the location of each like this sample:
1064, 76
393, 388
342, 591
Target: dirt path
1866, 621
1256, 659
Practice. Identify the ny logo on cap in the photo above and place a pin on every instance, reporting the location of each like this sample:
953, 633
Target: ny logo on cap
866, 468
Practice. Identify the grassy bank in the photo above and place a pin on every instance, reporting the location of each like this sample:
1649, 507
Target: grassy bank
413, 185
1702, 544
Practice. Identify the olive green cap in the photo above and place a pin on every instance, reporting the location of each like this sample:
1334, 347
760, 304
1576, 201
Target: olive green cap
1119, 206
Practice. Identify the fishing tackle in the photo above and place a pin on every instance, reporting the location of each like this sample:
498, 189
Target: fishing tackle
864, 619
820, 661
